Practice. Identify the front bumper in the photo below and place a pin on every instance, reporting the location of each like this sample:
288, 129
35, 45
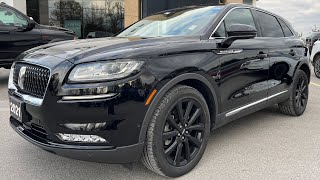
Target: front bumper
105, 154
123, 115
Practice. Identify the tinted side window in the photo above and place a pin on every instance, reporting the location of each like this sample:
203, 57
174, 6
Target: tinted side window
269, 25
237, 16
286, 30
11, 18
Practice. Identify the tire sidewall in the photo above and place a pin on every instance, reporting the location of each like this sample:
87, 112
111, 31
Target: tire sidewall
165, 166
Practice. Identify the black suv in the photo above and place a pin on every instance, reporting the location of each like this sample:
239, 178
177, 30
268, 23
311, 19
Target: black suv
154, 92
19, 33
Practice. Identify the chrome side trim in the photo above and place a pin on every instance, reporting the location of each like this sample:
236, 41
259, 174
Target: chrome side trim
236, 111
229, 51
88, 97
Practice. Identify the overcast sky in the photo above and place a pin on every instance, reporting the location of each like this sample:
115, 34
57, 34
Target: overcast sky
302, 14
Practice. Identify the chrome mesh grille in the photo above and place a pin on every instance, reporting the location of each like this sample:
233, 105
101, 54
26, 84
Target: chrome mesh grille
35, 80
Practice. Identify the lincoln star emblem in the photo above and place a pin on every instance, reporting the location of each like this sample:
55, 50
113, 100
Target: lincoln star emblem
21, 77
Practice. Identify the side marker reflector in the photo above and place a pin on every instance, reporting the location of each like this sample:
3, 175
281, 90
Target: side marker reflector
151, 97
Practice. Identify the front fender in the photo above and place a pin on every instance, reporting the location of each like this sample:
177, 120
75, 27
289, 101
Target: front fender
164, 86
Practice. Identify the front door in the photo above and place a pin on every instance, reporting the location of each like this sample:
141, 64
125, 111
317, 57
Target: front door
244, 67
15, 39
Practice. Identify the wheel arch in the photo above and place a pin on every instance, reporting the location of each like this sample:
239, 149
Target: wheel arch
196, 80
305, 67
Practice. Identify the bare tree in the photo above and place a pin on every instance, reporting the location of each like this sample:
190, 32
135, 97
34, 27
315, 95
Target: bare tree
66, 10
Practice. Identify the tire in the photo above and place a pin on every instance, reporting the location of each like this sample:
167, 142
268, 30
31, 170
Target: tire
168, 134
317, 66
297, 103
6, 66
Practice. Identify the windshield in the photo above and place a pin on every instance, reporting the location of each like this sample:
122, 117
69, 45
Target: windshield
186, 22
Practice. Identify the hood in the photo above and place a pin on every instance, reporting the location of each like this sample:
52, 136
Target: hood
55, 28
77, 51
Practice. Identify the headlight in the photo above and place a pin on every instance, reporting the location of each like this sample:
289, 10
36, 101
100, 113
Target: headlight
104, 70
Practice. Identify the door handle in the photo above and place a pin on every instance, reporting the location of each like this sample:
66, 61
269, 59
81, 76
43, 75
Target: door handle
262, 55
292, 53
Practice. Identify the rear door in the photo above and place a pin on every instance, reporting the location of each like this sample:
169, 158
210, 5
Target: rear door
284, 51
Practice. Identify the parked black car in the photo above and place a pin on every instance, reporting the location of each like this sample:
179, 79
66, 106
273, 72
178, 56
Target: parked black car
19, 33
156, 90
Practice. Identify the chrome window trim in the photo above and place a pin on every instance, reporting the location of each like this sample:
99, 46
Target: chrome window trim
223, 20
27, 98
236, 111
251, 8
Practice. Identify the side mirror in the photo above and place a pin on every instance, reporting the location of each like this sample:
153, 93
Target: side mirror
238, 31
31, 24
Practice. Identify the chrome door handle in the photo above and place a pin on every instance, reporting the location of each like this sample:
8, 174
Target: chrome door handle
262, 56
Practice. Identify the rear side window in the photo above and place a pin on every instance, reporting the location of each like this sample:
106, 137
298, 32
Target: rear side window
270, 26
286, 30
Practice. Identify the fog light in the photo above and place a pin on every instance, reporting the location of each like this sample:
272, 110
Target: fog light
81, 138
85, 127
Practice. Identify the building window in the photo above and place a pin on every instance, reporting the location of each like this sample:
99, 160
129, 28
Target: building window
84, 17
250, 2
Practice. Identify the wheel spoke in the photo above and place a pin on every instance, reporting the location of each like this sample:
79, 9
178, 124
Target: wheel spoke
301, 85
298, 103
303, 88
303, 103
173, 123
304, 96
188, 110
171, 148
194, 141
177, 157
198, 127
169, 135
187, 149
194, 117
180, 111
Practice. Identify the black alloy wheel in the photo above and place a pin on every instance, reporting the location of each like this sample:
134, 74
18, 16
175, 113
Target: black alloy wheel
298, 100
301, 98
178, 133
183, 132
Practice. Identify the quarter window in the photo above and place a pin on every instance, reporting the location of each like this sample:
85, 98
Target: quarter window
221, 31
11, 18
237, 16
269, 25
286, 30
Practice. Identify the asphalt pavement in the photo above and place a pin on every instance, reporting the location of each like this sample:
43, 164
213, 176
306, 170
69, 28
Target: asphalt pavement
264, 145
